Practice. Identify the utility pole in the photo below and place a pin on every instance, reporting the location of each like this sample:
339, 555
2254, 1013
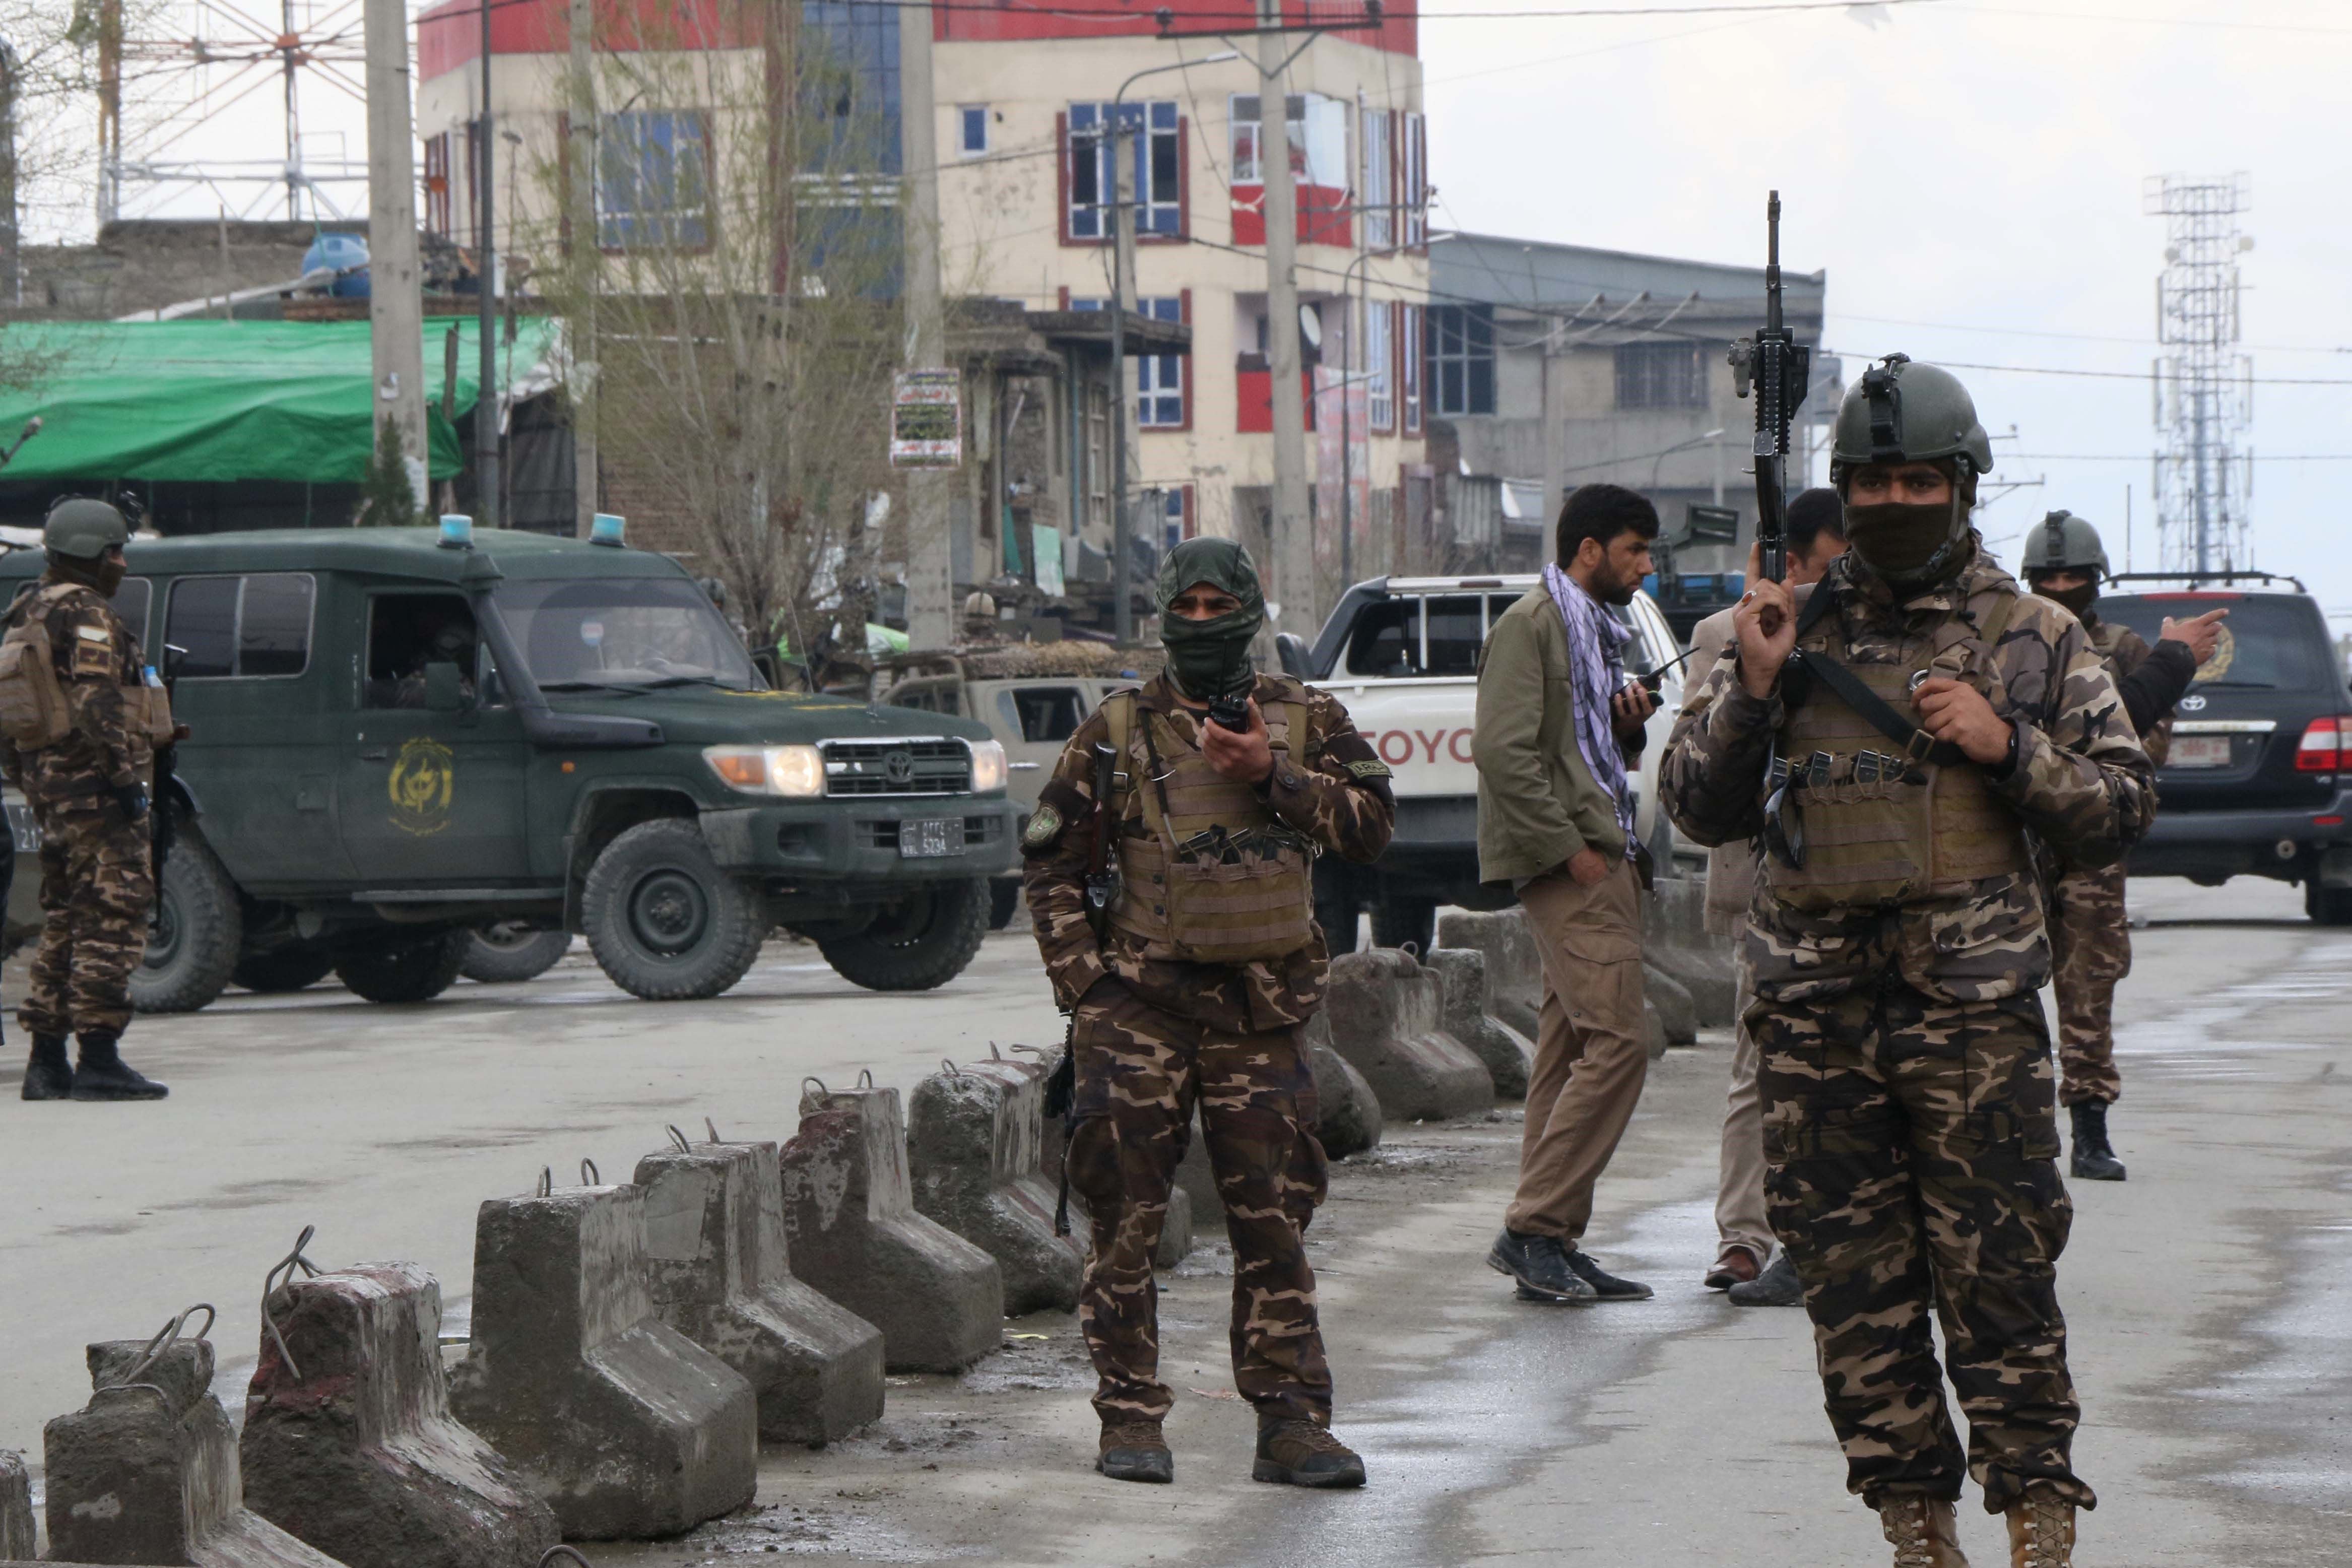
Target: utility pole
1293, 541
585, 257
486, 406
109, 110
931, 566
11, 213
395, 283
1122, 289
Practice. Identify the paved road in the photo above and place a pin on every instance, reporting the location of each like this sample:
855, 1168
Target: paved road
2210, 1297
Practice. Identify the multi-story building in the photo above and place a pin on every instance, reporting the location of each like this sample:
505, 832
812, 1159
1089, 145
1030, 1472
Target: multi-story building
1022, 96
1556, 365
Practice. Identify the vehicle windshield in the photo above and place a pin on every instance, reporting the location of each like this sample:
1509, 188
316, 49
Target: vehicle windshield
2269, 642
622, 633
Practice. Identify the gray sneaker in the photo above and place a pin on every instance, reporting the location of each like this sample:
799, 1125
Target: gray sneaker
1776, 1287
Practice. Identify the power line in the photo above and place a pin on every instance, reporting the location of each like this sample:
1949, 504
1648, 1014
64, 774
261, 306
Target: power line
2100, 375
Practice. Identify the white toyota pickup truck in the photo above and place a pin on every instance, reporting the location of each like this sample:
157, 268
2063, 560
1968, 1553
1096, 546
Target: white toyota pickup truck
1402, 654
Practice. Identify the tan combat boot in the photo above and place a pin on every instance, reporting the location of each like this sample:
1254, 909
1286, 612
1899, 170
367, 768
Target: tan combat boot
1924, 1533
2041, 1532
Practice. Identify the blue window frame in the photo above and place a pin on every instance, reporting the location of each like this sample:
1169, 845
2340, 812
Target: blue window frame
653, 179
1159, 378
971, 130
1155, 169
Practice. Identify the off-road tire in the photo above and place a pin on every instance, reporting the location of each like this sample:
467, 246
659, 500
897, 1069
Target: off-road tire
665, 922
415, 970
917, 945
1003, 902
192, 953
1396, 921
502, 955
282, 969
2327, 906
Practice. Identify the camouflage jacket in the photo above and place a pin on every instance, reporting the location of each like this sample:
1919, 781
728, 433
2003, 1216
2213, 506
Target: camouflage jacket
2081, 783
1335, 790
96, 656
2123, 651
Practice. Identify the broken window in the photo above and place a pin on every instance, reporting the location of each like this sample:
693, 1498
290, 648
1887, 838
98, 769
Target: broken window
1153, 136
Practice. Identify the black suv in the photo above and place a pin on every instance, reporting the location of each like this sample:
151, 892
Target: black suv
2259, 782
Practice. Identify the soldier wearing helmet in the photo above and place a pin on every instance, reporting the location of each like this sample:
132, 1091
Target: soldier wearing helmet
2065, 560
78, 725
1894, 745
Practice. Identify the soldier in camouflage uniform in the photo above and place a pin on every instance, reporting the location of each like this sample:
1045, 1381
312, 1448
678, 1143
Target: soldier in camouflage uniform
1897, 944
88, 789
2089, 932
1192, 990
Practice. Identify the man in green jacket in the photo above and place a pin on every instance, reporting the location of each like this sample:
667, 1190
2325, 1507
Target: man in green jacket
1558, 727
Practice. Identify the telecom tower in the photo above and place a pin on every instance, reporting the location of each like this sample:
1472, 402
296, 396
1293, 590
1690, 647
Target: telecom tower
207, 55
2204, 386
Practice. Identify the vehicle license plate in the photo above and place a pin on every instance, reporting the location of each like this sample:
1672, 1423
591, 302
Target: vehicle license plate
2199, 751
930, 836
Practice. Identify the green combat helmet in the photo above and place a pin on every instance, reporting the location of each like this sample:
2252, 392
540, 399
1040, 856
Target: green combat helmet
2065, 543
1905, 412
83, 529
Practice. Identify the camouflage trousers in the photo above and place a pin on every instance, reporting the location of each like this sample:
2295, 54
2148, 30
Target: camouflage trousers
98, 886
1140, 1074
1912, 1150
2090, 937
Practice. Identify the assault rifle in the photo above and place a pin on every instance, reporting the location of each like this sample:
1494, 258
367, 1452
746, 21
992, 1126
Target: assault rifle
1102, 888
1780, 370
161, 829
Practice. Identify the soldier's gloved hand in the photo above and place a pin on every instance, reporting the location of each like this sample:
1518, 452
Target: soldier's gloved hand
131, 798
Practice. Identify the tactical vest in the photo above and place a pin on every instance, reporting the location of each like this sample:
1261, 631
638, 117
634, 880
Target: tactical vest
1215, 877
1881, 828
34, 711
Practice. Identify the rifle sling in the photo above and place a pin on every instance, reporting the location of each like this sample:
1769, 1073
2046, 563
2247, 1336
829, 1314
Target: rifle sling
1916, 743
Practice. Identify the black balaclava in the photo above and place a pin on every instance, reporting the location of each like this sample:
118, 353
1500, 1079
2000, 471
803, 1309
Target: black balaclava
2078, 600
104, 572
1209, 659
1913, 546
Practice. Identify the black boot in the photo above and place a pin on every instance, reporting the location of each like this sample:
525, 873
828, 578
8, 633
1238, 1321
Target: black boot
48, 1076
101, 1075
2094, 1158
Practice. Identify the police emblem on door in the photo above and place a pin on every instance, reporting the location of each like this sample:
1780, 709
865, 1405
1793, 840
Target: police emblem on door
423, 778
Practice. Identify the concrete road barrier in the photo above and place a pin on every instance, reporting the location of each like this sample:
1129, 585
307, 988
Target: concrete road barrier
16, 1508
349, 1444
1508, 1053
853, 1233
147, 1472
718, 1272
1514, 966
1671, 999
1675, 941
1387, 1017
975, 1136
1347, 1113
1176, 1232
629, 1430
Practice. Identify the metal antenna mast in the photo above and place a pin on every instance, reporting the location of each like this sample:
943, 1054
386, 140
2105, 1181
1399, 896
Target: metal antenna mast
2204, 401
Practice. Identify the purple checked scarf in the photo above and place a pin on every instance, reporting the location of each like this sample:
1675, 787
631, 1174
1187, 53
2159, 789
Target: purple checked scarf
1597, 673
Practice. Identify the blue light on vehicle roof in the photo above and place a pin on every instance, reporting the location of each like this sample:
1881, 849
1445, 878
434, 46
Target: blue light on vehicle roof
457, 531
607, 529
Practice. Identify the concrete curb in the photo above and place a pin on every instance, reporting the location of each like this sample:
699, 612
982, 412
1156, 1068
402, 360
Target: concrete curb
147, 1472
719, 1274
852, 1234
16, 1538
349, 1444
1387, 1018
629, 1430
975, 1139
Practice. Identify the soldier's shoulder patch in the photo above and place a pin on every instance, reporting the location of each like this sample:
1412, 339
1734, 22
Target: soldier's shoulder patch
1368, 768
94, 634
1044, 826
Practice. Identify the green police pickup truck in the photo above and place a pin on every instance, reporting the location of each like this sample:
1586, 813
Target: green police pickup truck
399, 740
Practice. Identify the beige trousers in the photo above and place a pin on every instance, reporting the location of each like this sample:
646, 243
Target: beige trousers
1590, 1055
1739, 1218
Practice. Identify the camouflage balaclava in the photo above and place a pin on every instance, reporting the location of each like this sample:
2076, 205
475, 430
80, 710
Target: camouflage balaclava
1210, 659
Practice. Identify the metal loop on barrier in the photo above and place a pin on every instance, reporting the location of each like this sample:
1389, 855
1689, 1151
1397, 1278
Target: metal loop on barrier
546, 1182
282, 1273
822, 1092
679, 1139
865, 1078
712, 1128
590, 1176
1410, 949
558, 1553
165, 1338
946, 1066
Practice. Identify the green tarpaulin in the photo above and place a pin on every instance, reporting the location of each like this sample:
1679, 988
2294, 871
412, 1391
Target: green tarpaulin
192, 401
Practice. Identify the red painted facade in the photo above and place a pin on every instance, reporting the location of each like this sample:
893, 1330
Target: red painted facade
1253, 400
972, 21
450, 34
1323, 216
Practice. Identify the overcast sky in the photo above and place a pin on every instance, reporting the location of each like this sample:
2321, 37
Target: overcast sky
1971, 177
1969, 174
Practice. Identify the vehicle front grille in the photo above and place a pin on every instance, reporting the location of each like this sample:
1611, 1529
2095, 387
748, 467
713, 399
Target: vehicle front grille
882, 833
897, 767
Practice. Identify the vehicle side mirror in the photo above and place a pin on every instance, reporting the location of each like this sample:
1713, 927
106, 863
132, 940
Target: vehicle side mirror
445, 688
1291, 649
764, 661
